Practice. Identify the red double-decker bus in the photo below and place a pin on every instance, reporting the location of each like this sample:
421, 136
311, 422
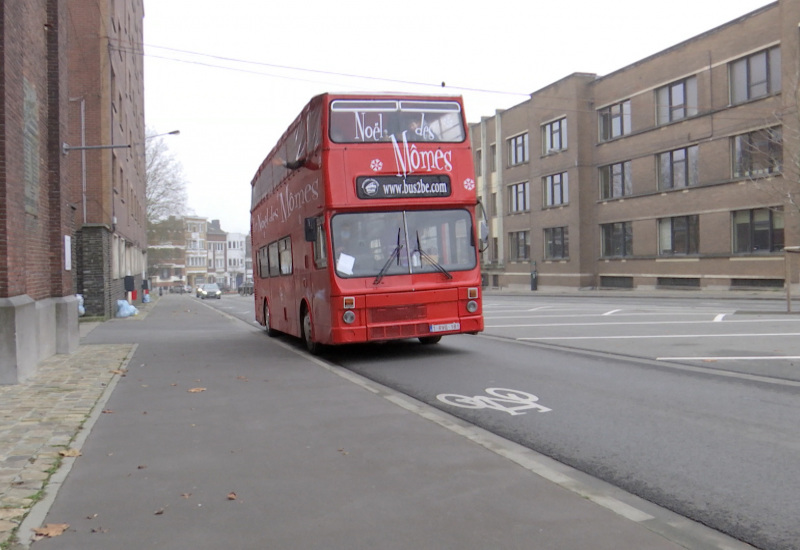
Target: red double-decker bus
363, 223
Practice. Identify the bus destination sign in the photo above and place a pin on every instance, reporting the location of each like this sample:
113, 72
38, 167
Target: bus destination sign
399, 187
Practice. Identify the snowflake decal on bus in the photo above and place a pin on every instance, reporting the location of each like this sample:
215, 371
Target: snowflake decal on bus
469, 184
376, 165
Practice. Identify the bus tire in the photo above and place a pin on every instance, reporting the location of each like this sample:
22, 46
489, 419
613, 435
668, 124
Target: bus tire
428, 340
271, 332
314, 348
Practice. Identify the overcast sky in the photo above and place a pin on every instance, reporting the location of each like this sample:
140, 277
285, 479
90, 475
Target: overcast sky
232, 75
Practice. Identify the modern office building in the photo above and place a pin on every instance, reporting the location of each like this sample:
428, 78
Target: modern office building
678, 171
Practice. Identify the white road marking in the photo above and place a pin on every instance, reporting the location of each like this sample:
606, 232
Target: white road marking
732, 358
665, 336
612, 312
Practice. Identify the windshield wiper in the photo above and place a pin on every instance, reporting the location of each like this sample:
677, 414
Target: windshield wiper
425, 256
395, 254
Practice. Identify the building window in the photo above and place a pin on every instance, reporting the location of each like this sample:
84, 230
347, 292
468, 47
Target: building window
679, 235
758, 153
616, 180
478, 163
518, 197
518, 150
556, 243
755, 76
758, 231
677, 168
615, 121
492, 158
676, 101
556, 189
617, 239
493, 205
519, 246
554, 136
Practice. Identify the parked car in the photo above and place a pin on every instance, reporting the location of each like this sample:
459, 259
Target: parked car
245, 289
210, 290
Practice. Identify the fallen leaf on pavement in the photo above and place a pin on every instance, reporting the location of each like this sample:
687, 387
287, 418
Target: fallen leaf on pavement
70, 452
160, 511
196, 390
232, 496
51, 530
107, 411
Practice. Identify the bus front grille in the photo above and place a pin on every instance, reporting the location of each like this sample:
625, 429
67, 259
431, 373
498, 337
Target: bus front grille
397, 314
398, 331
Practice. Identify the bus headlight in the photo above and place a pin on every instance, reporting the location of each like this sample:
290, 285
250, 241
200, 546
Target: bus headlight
472, 306
349, 317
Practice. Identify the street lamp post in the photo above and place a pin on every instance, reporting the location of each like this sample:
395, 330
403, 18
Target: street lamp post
172, 133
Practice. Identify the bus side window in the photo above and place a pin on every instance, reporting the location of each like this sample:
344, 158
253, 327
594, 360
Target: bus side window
274, 263
263, 263
285, 248
320, 244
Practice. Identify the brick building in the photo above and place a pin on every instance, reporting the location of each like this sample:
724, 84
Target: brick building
71, 170
678, 171
106, 116
38, 309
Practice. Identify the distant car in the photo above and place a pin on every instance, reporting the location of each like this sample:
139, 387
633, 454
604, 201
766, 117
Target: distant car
246, 289
210, 290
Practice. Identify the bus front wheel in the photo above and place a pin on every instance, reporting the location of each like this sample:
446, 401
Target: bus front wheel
308, 330
429, 339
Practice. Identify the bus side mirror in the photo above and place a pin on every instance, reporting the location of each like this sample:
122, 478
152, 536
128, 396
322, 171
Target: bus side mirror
310, 228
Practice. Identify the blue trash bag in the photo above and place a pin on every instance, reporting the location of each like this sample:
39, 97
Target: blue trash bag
124, 309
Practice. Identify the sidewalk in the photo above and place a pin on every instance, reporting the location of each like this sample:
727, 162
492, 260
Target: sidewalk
304, 454
41, 418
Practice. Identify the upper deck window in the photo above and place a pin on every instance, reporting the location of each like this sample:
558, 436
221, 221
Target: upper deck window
369, 121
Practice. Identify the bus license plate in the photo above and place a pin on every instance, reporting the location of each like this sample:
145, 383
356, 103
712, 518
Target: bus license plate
445, 328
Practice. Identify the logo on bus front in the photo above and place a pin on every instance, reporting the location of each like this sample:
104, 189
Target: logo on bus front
394, 187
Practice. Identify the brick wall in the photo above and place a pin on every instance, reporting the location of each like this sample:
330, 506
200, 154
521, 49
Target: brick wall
34, 210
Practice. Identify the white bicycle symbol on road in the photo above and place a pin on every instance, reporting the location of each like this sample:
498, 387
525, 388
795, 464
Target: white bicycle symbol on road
498, 399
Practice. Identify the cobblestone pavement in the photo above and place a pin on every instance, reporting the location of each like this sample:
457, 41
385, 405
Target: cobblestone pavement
42, 417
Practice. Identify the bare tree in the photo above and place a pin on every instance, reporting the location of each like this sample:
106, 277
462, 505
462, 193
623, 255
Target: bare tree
166, 183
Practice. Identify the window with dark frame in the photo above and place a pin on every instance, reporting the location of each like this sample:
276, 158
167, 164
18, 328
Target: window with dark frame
615, 120
518, 197
758, 153
556, 243
554, 136
617, 239
678, 168
519, 246
616, 180
679, 235
556, 189
518, 150
757, 75
676, 101
758, 231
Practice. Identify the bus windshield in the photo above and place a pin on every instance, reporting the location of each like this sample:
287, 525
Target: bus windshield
380, 244
366, 121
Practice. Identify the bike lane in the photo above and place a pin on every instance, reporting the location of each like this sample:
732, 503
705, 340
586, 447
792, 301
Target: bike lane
220, 437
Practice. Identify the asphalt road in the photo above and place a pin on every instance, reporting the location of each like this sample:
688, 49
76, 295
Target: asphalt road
691, 404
